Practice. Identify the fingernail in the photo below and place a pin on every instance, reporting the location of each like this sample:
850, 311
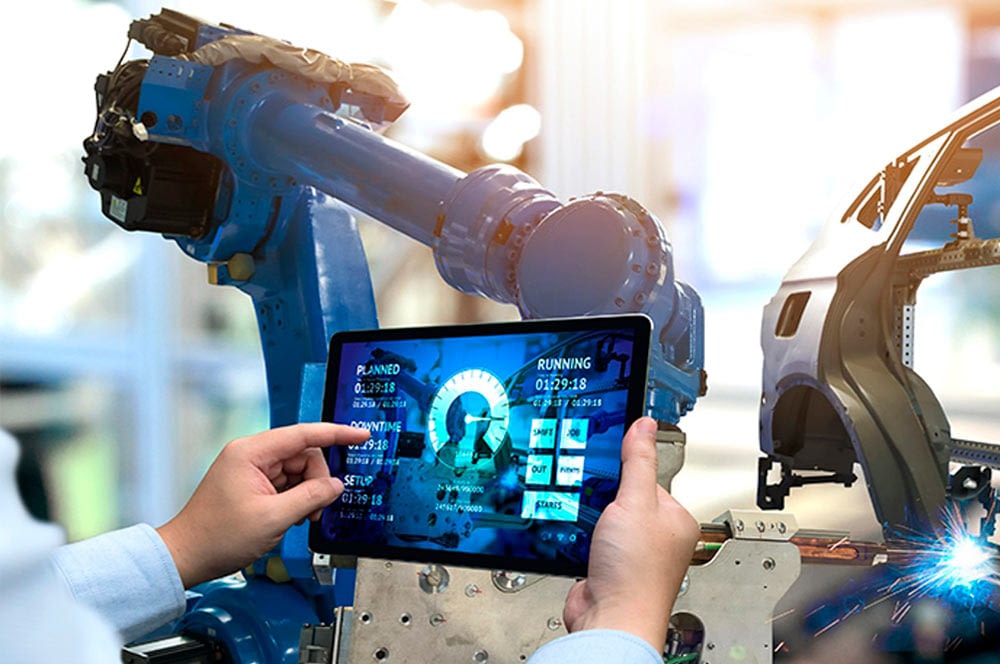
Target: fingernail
646, 425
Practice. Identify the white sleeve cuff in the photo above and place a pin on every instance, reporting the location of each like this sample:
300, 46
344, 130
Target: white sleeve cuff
597, 646
128, 575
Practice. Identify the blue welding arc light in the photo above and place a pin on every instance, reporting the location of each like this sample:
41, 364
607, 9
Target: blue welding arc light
969, 561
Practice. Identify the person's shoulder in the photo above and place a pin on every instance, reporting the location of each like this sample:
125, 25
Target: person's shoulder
26, 538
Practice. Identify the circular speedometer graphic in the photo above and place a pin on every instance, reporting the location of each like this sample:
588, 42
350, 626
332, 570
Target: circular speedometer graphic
468, 418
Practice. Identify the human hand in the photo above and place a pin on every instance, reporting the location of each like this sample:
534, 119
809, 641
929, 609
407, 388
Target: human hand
641, 549
254, 491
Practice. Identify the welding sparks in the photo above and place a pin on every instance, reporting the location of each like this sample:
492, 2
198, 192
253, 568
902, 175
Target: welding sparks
951, 566
784, 614
902, 608
955, 566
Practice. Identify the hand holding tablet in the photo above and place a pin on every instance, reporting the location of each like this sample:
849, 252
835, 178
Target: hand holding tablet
495, 445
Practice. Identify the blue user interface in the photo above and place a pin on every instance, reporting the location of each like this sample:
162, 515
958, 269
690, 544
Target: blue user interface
494, 446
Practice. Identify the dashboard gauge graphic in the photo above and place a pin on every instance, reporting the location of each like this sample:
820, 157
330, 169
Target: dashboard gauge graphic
468, 418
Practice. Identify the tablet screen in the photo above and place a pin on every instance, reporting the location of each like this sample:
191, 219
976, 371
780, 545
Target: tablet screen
493, 445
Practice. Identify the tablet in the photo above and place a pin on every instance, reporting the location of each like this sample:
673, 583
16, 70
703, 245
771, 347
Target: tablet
492, 445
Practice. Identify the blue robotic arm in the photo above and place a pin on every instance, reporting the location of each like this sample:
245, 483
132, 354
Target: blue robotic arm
261, 151
244, 149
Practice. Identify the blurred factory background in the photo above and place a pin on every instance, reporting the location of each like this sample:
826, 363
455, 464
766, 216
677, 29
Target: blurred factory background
741, 124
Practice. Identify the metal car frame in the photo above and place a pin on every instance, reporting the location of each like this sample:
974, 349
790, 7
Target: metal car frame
839, 386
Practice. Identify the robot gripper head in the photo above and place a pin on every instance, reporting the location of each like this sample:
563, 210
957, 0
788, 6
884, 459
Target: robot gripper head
146, 186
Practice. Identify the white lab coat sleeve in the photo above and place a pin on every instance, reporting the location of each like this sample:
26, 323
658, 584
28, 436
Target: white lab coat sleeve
128, 575
597, 646
39, 619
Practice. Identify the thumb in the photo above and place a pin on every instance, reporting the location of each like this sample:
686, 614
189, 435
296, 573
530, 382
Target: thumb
639, 464
575, 605
305, 498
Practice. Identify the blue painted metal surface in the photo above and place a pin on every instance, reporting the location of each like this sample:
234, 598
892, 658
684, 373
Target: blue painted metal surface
313, 282
256, 619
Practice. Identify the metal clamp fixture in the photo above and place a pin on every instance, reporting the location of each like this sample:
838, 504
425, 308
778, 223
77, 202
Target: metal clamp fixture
754, 525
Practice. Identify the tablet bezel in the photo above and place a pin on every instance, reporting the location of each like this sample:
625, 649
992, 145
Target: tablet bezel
639, 324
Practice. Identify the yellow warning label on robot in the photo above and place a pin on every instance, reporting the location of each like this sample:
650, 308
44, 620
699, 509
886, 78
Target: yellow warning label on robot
137, 187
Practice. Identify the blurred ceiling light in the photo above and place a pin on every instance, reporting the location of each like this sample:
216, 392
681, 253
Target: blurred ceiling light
506, 135
449, 58
54, 74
